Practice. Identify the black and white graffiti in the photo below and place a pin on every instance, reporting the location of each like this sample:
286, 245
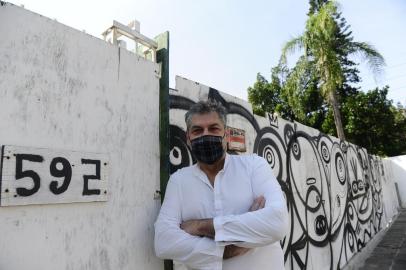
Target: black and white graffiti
333, 189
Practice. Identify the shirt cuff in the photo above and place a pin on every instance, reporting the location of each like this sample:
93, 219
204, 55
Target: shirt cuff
222, 237
217, 263
220, 232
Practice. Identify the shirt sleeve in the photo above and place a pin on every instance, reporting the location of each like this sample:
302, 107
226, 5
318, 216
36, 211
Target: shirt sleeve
173, 243
261, 227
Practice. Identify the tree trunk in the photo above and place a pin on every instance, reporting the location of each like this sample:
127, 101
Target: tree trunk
337, 115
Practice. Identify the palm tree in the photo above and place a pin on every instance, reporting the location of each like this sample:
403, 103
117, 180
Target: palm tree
320, 44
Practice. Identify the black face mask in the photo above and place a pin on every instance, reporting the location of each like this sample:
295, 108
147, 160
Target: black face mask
207, 149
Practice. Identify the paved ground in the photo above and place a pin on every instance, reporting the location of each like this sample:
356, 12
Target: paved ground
390, 253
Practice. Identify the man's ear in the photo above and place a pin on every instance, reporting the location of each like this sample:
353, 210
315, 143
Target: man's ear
226, 134
188, 139
225, 139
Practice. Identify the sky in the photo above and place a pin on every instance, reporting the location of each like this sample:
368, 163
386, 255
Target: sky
225, 43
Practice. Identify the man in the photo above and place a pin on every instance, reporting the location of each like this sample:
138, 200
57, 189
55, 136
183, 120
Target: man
227, 212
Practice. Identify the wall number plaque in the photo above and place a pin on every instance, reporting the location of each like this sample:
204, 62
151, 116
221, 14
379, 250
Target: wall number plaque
47, 176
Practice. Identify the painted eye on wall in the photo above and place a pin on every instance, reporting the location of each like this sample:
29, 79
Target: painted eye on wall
179, 152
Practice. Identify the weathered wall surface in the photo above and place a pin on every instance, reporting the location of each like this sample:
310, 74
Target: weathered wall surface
338, 196
63, 89
398, 165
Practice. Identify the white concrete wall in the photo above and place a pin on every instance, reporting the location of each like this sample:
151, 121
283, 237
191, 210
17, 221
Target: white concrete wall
338, 196
391, 202
398, 165
63, 89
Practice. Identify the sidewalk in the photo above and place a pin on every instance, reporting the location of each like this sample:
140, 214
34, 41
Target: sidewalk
390, 253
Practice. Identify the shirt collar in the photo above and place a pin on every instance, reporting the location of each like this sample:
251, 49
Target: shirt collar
201, 175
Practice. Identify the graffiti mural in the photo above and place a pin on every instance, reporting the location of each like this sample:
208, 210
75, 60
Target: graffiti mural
333, 188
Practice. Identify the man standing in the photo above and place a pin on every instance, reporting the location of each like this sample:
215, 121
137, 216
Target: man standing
227, 212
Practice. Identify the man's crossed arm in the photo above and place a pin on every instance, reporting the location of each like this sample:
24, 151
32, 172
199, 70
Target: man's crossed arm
183, 241
205, 228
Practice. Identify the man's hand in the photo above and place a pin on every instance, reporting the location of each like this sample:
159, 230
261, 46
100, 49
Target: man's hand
231, 251
199, 227
258, 203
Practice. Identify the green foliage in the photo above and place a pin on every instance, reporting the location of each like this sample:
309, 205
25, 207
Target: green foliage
264, 96
374, 123
268, 96
327, 45
301, 93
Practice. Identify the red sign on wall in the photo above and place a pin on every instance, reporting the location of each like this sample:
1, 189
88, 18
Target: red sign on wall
236, 139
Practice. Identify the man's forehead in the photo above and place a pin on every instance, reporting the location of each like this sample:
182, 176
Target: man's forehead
211, 118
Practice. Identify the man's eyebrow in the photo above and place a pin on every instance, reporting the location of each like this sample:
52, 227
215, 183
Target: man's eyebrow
195, 127
200, 127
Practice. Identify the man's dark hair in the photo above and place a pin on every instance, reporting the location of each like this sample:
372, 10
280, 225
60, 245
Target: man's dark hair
203, 107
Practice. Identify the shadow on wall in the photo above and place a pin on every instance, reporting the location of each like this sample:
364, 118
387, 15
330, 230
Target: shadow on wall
333, 189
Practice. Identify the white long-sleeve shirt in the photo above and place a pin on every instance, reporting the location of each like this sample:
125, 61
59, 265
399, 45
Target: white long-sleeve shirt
189, 195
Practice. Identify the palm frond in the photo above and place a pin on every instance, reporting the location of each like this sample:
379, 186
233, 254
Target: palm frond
369, 54
293, 45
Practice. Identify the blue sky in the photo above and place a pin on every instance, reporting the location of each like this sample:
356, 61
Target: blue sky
224, 44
